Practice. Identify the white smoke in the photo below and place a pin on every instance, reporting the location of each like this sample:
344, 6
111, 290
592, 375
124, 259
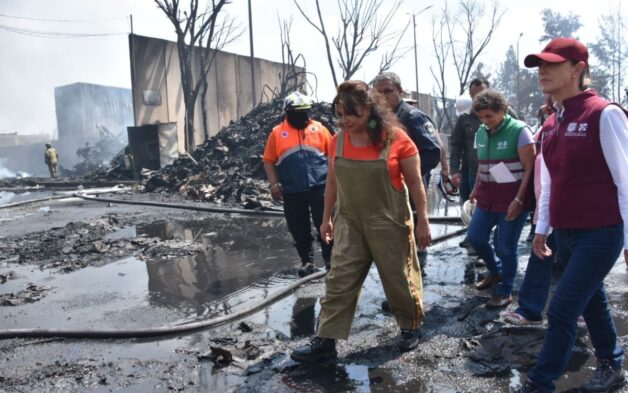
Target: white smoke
4, 172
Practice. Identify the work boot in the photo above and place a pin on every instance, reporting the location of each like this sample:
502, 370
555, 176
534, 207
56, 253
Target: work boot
307, 269
409, 339
497, 301
318, 349
605, 378
527, 387
488, 282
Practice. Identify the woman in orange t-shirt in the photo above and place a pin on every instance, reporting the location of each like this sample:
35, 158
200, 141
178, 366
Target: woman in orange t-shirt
373, 165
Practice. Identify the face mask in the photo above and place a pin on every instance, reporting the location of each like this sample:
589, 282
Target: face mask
298, 119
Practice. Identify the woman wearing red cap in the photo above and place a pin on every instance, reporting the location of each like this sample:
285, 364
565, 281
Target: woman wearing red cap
584, 198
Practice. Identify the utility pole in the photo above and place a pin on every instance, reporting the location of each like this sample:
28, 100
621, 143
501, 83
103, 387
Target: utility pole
518, 77
416, 57
254, 93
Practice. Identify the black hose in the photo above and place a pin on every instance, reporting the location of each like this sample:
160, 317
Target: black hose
272, 212
173, 329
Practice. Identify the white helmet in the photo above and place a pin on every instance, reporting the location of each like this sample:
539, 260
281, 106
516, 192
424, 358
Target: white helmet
467, 212
463, 103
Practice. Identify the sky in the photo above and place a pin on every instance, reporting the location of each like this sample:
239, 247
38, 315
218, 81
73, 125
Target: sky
32, 66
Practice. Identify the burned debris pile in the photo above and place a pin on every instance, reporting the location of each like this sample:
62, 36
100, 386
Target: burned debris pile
228, 168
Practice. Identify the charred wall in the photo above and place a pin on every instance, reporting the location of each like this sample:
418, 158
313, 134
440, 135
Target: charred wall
158, 96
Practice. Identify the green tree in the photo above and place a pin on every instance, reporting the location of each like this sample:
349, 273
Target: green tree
520, 86
557, 25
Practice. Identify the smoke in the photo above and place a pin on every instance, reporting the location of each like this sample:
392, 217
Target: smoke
4, 172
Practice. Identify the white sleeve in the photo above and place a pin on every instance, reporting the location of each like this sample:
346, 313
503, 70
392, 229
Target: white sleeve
542, 223
614, 141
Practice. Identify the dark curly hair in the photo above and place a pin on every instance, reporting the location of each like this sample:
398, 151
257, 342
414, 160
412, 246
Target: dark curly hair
353, 95
490, 99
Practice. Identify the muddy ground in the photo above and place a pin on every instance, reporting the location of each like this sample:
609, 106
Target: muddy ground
86, 265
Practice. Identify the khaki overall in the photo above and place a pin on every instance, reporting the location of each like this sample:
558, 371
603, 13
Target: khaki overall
372, 222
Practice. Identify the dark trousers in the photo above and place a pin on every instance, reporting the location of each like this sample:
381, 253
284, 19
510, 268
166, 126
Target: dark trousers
298, 208
589, 254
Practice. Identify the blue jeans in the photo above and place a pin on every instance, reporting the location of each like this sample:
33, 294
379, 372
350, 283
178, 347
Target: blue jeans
589, 254
467, 181
536, 283
501, 259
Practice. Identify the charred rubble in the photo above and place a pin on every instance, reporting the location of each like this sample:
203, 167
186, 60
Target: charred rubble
228, 168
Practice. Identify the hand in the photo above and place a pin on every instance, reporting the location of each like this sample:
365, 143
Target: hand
472, 196
445, 173
327, 231
422, 234
455, 180
539, 246
514, 209
276, 192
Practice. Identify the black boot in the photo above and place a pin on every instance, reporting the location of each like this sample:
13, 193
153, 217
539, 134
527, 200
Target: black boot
307, 269
409, 339
606, 378
318, 349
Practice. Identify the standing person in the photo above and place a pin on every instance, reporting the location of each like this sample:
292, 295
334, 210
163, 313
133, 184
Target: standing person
51, 158
295, 162
505, 162
373, 166
419, 127
463, 159
584, 197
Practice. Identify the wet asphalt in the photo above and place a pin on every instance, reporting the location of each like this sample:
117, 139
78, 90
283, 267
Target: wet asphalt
464, 348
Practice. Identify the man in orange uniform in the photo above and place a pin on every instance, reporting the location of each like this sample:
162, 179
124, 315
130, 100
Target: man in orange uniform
295, 161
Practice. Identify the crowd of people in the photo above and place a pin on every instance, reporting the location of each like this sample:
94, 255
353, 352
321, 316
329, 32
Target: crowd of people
360, 187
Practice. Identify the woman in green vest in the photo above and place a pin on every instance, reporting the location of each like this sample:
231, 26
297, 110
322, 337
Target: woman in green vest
506, 151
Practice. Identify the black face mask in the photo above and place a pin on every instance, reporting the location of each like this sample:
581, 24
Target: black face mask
299, 118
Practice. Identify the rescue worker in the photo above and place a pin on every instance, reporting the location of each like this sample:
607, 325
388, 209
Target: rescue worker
373, 166
420, 129
51, 158
295, 162
584, 198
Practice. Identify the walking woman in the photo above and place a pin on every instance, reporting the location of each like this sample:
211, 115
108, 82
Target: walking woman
584, 198
372, 166
505, 149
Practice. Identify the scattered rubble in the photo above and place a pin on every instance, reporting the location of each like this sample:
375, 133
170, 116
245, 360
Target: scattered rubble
230, 167
31, 294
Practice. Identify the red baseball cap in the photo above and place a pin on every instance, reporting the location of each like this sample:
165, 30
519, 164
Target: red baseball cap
559, 50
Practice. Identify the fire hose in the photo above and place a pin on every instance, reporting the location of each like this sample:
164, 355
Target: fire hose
181, 328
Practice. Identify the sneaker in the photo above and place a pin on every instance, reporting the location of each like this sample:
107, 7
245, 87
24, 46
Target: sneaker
527, 387
307, 269
498, 301
605, 378
517, 319
409, 339
488, 282
318, 349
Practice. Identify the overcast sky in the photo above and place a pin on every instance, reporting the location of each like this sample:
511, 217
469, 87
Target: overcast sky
32, 66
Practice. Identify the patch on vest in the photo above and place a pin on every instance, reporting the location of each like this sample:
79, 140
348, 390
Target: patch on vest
429, 127
502, 145
284, 134
577, 129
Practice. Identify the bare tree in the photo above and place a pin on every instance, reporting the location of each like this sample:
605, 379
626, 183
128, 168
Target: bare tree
396, 53
462, 36
361, 32
191, 24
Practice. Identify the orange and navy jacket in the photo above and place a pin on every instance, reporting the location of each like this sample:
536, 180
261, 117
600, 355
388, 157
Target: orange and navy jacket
299, 155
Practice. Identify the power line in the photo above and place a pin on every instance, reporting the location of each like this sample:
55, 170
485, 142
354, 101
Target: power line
63, 20
54, 34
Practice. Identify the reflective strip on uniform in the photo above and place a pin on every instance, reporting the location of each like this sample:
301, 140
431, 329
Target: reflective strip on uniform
295, 149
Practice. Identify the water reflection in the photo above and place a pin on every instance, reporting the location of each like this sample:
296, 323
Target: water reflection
335, 377
303, 322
